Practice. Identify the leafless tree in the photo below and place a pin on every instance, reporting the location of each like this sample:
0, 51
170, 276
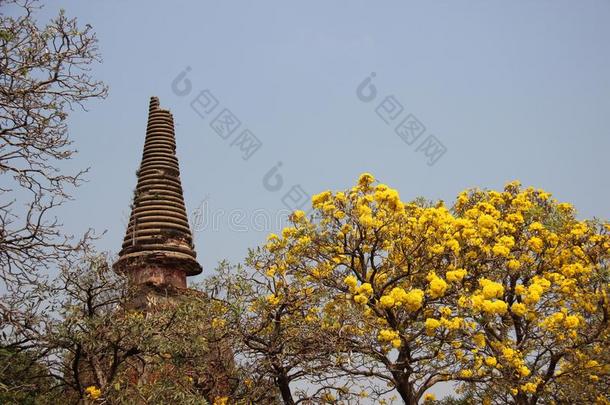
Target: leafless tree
45, 72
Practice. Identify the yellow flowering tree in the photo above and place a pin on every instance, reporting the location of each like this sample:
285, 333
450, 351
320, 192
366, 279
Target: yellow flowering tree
535, 295
386, 270
504, 291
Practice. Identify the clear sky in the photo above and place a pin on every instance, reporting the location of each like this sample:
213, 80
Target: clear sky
512, 90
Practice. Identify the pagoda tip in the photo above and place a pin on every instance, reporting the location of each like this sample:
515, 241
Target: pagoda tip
154, 102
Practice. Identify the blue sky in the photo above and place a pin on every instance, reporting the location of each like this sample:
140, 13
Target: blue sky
513, 90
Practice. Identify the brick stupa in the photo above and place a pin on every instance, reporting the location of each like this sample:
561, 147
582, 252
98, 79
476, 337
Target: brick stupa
158, 247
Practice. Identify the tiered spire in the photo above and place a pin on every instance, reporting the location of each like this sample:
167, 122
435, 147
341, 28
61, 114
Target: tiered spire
158, 246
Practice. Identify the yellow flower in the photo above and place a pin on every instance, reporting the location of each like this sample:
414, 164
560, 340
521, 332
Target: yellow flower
529, 387
579, 230
218, 323
524, 371
304, 241
477, 302
431, 325
272, 299
398, 294
498, 307
486, 221
572, 321
298, 215
515, 218
413, 300
536, 244
388, 335
513, 264
438, 286
386, 301
500, 250
466, 373
453, 245
536, 289
437, 249
479, 340
569, 270
367, 221
361, 299
445, 311
513, 185
319, 199
491, 361
543, 195
518, 309
429, 397
592, 364
93, 392
351, 282
491, 289
455, 275
365, 289
509, 353
453, 323
365, 180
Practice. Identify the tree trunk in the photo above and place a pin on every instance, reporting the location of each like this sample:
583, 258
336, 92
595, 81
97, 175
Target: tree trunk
284, 385
404, 388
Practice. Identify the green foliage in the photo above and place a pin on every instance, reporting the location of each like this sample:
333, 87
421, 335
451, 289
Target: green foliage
23, 380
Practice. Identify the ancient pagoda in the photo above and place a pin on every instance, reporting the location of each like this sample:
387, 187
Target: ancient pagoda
158, 248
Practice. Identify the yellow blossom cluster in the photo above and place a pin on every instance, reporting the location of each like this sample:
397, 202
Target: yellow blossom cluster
431, 325
411, 300
273, 299
93, 392
491, 289
560, 320
455, 276
438, 286
515, 359
389, 336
